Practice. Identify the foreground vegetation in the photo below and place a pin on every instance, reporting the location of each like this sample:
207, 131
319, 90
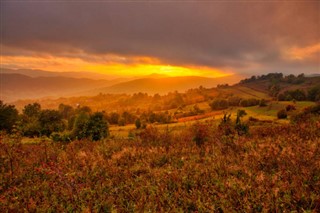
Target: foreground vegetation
205, 168
227, 149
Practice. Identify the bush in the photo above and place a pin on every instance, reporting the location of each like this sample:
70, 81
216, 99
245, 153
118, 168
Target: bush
225, 126
150, 135
290, 108
249, 102
307, 114
219, 104
314, 93
138, 123
289, 95
201, 133
262, 103
282, 114
61, 137
234, 101
241, 128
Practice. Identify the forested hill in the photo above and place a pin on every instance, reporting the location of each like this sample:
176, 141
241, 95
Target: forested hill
285, 87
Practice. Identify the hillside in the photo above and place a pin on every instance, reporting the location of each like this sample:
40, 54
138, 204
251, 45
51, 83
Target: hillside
39, 84
284, 83
18, 86
165, 84
43, 73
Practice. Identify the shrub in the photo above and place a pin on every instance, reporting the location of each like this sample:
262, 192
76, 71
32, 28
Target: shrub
225, 126
253, 119
249, 102
309, 112
61, 137
289, 95
138, 123
240, 127
262, 103
290, 108
201, 133
150, 135
314, 93
234, 101
219, 104
282, 114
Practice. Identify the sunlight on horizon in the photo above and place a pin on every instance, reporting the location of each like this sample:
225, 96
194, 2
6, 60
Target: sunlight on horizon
130, 67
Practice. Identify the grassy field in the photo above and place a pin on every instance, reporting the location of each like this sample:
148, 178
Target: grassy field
244, 92
267, 113
276, 168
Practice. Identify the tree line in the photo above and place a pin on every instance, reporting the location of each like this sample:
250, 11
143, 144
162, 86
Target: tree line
69, 123
220, 104
64, 123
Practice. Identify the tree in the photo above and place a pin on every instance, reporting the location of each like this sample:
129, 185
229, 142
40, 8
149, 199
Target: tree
30, 120
50, 121
234, 101
282, 114
225, 125
80, 126
66, 111
138, 123
219, 104
240, 127
314, 93
114, 118
274, 90
8, 116
249, 102
94, 127
262, 103
32, 110
97, 127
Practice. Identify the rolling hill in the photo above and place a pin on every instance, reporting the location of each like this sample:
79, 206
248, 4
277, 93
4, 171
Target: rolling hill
43, 73
263, 84
18, 86
164, 84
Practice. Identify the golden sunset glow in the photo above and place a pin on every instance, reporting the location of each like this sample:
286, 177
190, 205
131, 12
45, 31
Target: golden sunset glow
135, 66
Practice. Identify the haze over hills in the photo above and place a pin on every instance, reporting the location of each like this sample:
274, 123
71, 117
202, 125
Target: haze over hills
18, 86
43, 73
39, 83
166, 84
73, 74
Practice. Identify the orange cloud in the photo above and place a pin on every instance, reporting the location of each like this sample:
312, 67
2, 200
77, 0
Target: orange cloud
304, 53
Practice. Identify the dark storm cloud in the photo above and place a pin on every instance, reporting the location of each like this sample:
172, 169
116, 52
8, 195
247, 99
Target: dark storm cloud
218, 34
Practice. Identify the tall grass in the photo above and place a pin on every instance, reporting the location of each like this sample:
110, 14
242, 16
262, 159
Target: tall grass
273, 169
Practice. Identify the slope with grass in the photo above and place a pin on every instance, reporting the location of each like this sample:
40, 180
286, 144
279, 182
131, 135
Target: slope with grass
274, 169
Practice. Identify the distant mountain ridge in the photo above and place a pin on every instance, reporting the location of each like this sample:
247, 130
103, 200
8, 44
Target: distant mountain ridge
166, 84
42, 73
18, 86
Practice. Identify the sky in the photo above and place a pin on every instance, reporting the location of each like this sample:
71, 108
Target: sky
126, 38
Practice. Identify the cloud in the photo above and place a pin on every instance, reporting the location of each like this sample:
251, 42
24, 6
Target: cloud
245, 36
311, 52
